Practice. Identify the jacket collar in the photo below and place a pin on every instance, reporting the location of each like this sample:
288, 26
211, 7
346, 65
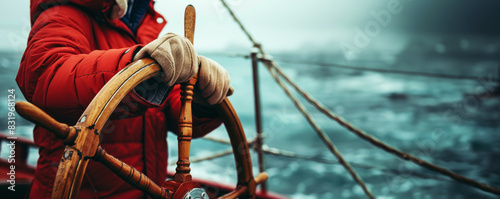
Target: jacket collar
93, 6
100, 10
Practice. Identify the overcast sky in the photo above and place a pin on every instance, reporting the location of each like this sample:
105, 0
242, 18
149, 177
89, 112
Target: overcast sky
292, 24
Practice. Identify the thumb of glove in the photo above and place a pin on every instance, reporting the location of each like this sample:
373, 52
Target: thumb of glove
230, 91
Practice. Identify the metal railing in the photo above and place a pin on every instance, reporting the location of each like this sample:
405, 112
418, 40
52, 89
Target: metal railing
277, 74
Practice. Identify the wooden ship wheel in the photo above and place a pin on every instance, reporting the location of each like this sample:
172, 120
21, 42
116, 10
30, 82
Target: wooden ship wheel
82, 140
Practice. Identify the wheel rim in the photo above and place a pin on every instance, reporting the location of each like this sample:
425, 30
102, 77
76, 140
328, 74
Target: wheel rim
75, 158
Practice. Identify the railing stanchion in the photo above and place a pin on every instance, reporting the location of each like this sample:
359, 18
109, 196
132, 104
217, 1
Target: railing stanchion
258, 118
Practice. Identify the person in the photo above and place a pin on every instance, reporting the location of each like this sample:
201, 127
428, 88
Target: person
74, 48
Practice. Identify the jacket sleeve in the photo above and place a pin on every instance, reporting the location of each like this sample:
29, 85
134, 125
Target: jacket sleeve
61, 73
203, 121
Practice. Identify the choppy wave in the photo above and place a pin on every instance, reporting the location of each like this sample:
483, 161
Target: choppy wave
406, 112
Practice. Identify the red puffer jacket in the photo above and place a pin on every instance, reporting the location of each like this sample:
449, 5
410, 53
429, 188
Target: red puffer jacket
73, 50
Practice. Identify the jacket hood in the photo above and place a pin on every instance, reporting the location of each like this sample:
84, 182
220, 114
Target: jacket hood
97, 6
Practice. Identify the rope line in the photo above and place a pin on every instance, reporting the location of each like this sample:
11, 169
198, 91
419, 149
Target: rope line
222, 141
216, 140
210, 157
239, 23
400, 72
302, 109
362, 68
272, 67
322, 135
365, 136
290, 154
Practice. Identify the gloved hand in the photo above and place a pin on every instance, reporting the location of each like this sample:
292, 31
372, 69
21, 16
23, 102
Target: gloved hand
119, 9
213, 82
176, 56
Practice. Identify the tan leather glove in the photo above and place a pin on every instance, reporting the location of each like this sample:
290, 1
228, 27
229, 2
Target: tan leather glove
176, 56
213, 81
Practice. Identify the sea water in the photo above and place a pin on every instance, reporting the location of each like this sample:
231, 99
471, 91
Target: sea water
443, 121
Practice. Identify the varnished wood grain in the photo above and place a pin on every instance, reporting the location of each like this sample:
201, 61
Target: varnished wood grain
185, 132
39, 117
75, 158
70, 161
70, 173
131, 175
237, 193
246, 184
262, 177
189, 22
185, 124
